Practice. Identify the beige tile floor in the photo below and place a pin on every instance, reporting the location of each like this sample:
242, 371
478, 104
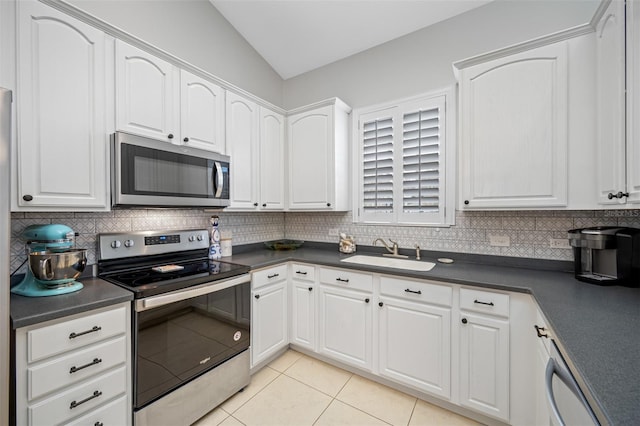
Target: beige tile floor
298, 390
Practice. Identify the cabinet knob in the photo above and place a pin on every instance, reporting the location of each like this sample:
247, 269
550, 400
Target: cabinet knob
466, 202
27, 197
328, 204
257, 296
186, 139
310, 288
366, 300
464, 320
380, 304
170, 136
255, 204
610, 195
264, 204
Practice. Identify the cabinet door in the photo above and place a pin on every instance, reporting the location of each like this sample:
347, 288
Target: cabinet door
201, 113
484, 365
610, 50
62, 146
311, 162
303, 312
242, 136
271, 160
345, 326
268, 322
633, 101
415, 345
514, 130
145, 98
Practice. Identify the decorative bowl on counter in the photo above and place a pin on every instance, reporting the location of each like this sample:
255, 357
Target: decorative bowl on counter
283, 244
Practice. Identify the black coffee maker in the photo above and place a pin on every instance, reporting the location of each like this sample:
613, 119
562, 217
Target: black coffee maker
607, 255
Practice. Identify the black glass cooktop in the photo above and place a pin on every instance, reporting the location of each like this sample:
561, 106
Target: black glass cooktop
152, 279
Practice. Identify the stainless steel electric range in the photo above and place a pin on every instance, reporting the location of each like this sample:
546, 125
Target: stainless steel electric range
190, 322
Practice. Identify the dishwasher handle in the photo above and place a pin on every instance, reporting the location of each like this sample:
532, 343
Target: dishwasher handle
565, 376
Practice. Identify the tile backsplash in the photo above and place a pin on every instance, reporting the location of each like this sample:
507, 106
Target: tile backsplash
529, 232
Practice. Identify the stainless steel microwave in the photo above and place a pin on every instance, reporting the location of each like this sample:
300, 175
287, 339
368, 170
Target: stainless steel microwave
153, 173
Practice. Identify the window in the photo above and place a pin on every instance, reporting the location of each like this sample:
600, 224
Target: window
403, 164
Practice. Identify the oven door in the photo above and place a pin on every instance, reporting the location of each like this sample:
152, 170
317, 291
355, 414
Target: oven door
181, 335
153, 173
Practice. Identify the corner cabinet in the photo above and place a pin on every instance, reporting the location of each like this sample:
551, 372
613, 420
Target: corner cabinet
318, 150
513, 130
158, 100
62, 101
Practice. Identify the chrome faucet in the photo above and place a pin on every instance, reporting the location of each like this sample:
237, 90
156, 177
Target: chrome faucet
393, 250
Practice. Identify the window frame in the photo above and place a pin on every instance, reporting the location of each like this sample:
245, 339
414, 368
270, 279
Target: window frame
445, 217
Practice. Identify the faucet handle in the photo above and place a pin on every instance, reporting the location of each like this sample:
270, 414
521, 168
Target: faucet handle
393, 242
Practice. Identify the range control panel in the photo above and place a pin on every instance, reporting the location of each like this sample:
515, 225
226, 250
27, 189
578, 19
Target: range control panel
129, 244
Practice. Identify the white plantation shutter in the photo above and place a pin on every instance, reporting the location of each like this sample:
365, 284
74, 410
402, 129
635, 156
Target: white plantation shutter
421, 161
377, 166
402, 163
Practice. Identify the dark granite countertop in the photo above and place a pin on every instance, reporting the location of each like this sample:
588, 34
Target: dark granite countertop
598, 328
96, 293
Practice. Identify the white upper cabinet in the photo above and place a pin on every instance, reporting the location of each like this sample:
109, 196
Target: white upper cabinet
513, 130
242, 139
159, 100
610, 52
145, 94
318, 157
61, 104
201, 113
272, 167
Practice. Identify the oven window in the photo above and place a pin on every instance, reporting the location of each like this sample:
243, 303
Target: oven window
177, 342
147, 171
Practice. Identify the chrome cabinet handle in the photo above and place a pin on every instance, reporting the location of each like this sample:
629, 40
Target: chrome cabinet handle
408, 290
82, 367
483, 303
74, 404
93, 330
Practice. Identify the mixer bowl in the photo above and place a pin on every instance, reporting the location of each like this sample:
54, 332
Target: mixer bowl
55, 268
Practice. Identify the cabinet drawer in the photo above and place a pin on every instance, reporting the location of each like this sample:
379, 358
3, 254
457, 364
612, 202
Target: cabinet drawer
486, 302
54, 339
76, 366
114, 413
418, 291
80, 399
269, 276
303, 272
348, 279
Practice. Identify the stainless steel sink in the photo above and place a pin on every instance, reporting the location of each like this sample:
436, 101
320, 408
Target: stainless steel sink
389, 262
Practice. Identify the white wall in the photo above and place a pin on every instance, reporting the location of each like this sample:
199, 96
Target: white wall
196, 32
421, 61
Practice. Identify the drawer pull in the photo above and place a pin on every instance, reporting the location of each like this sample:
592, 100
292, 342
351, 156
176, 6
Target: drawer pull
93, 330
483, 303
94, 362
408, 290
74, 404
273, 276
98, 424
541, 331
342, 280
301, 273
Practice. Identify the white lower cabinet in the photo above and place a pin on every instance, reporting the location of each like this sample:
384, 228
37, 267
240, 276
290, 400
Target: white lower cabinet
75, 370
346, 317
415, 338
268, 313
303, 306
484, 354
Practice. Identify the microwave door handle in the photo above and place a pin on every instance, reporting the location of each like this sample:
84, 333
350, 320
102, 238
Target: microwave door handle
219, 179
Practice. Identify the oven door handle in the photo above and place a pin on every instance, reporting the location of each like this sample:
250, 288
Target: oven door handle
211, 287
565, 376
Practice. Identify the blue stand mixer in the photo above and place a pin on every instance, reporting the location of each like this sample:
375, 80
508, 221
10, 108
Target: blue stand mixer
54, 262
